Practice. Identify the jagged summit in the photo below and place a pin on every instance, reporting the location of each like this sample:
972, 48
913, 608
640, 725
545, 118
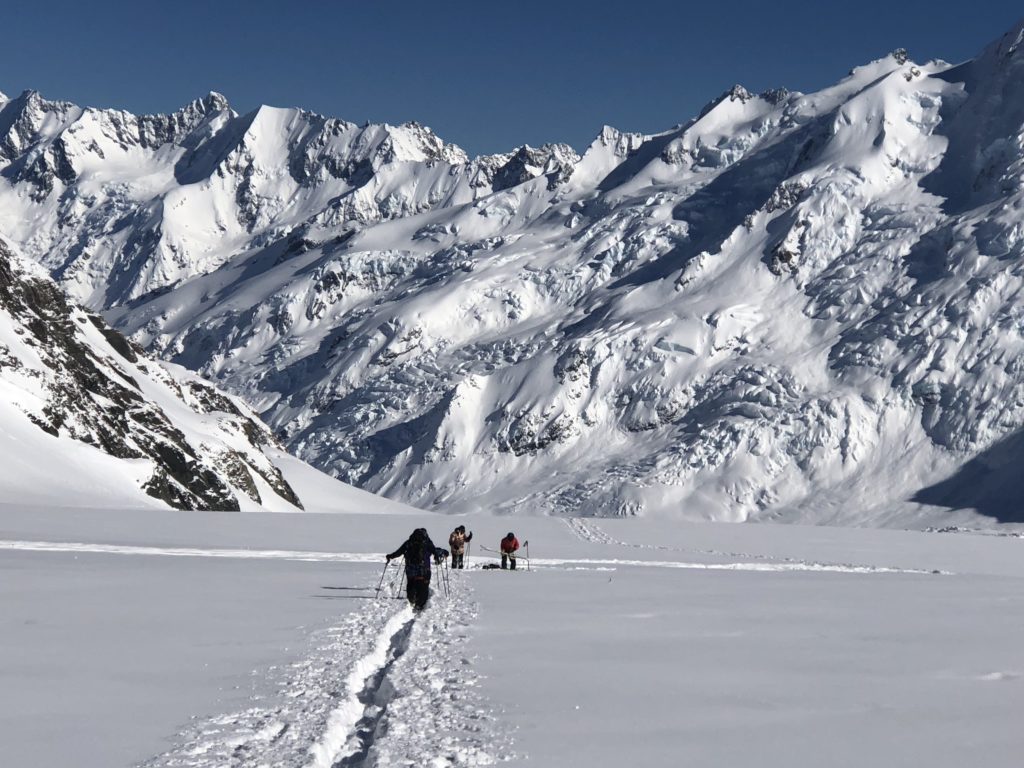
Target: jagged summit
788, 302
30, 96
738, 92
211, 103
214, 102
740, 96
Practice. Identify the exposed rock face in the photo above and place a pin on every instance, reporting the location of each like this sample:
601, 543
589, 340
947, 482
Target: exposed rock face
77, 379
788, 303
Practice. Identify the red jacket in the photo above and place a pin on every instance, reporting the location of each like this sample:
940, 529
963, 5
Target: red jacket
508, 546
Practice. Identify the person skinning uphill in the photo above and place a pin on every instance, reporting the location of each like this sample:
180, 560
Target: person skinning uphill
509, 547
418, 550
457, 543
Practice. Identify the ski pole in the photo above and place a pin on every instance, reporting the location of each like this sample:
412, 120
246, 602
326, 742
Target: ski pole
380, 586
526, 545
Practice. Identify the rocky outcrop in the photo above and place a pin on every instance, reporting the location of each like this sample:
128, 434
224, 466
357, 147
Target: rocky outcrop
80, 380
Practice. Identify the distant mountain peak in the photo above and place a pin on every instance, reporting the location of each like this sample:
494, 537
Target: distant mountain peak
211, 103
215, 102
740, 94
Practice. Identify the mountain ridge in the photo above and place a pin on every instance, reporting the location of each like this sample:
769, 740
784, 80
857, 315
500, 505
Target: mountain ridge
90, 419
758, 314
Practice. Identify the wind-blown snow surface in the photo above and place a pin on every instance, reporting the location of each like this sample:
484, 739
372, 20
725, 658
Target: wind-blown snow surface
790, 301
170, 638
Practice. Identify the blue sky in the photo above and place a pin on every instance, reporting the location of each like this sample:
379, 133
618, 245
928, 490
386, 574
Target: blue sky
487, 75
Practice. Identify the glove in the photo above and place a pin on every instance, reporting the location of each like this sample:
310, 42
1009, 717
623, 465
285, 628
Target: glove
388, 558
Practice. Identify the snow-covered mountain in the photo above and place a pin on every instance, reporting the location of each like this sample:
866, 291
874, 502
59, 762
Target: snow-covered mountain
88, 418
118, 206
786, 303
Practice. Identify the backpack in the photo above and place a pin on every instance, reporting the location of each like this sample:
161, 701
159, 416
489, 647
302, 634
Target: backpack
418, 554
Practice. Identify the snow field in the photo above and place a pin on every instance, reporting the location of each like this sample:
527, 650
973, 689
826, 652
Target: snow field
384, 687
657, 666
103, 656
628, 642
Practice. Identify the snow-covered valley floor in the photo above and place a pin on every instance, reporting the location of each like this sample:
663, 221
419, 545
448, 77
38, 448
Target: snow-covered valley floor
206, 639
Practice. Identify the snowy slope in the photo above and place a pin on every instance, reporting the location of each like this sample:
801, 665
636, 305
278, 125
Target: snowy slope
787, 302
177, 639
89, 420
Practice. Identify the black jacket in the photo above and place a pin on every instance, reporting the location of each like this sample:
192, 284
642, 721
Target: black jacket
418, 553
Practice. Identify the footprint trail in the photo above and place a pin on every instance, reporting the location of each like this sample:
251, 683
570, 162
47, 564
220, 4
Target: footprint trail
383, 688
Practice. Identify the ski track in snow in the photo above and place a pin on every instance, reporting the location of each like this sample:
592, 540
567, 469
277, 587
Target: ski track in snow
383, 688
592, 533
584, 531
240, 554
605, 564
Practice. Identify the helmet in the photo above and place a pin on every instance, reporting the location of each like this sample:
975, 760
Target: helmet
510, 535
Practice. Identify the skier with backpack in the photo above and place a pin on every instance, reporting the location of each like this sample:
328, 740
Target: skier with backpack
418, 550
509, 547
457, 542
